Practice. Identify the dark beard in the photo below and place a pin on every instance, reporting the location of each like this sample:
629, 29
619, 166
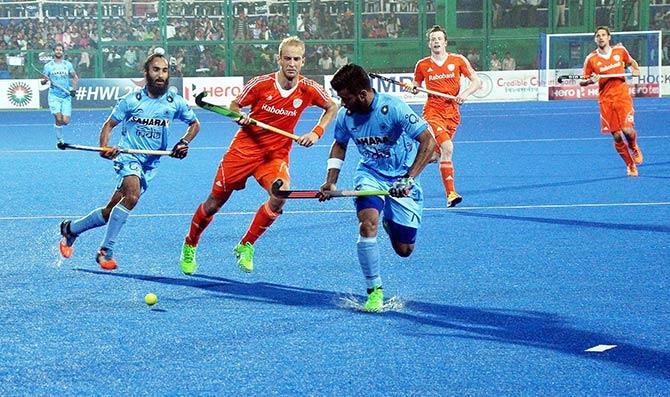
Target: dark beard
156, 91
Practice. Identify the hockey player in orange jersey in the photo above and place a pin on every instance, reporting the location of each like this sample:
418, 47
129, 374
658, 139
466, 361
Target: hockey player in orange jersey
616, 104
277, 99
442, 71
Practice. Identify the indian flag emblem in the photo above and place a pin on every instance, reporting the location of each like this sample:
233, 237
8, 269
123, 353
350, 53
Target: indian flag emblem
19, 94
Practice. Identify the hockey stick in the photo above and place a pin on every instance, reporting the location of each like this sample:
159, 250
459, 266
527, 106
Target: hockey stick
580, 77
308, 194
64, 146
224, 111
60, 87
418, 88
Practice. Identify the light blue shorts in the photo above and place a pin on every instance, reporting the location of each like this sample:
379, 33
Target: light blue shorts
60, 105
404, 211
127, 164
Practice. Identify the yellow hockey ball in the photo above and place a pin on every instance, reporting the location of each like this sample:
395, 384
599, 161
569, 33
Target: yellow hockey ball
150, 299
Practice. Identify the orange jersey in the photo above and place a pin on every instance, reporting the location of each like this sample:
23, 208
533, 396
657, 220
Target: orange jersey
615, 62
277, 107
446, 78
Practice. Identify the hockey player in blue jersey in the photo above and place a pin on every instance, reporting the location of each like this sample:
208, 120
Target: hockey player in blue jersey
395, 144
145, 115
64, 82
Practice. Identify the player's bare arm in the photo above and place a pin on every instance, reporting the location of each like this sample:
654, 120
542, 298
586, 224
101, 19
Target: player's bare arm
475, 84
105, 135
634, 66
313, 136
192, 131
74, 80
336, 157
235, 107
180, 149
426, 148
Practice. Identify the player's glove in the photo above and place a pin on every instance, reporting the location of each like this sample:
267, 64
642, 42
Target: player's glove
180, 149
402, 186
73, 93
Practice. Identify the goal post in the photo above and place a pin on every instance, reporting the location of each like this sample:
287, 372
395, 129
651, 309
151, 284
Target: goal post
564, 54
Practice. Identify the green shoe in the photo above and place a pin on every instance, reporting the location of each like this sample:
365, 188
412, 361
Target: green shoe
187, 259
375, 301
245, 256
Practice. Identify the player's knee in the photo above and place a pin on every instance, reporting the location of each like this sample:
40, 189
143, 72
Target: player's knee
446, 149
212, 205
130, 200
617, 136
368, 228
403, 250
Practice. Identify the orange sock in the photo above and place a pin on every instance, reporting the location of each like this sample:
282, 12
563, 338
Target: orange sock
632, 140
199, 223
447, 172
262, 220
622, 148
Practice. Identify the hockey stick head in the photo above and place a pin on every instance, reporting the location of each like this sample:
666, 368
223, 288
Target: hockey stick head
198, 99
276, 186
568, 77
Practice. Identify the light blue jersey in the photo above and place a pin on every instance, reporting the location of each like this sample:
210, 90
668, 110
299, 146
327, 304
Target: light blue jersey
386, 140
145, 125
59, 73
385, 137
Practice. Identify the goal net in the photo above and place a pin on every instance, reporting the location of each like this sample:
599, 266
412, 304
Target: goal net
564, 54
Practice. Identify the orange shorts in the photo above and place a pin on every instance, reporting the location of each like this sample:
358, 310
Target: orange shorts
616, 114
235, 168
443, 128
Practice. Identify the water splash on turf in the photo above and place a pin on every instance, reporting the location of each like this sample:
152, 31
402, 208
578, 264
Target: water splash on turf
55, 259
351, 301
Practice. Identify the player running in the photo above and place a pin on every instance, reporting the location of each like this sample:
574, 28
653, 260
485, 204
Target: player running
278, 99
146, 115
441, 72
395, 145
64, 83
616, 104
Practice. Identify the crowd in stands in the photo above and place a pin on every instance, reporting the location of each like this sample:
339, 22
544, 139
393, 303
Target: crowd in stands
24, 26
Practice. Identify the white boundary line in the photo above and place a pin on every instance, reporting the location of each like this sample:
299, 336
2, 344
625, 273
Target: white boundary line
346, 211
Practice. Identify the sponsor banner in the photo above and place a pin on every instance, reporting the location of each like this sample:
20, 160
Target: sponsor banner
664, 80
385, 87
104, 93
508, 85
515, 85
644, 90
19, 94
220, 90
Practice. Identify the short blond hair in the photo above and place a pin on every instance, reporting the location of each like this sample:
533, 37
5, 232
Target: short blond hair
291, 41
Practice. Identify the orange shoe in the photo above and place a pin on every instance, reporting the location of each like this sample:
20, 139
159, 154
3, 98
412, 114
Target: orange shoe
632, 170
637, 155
105, 259
66, 245
65, 250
